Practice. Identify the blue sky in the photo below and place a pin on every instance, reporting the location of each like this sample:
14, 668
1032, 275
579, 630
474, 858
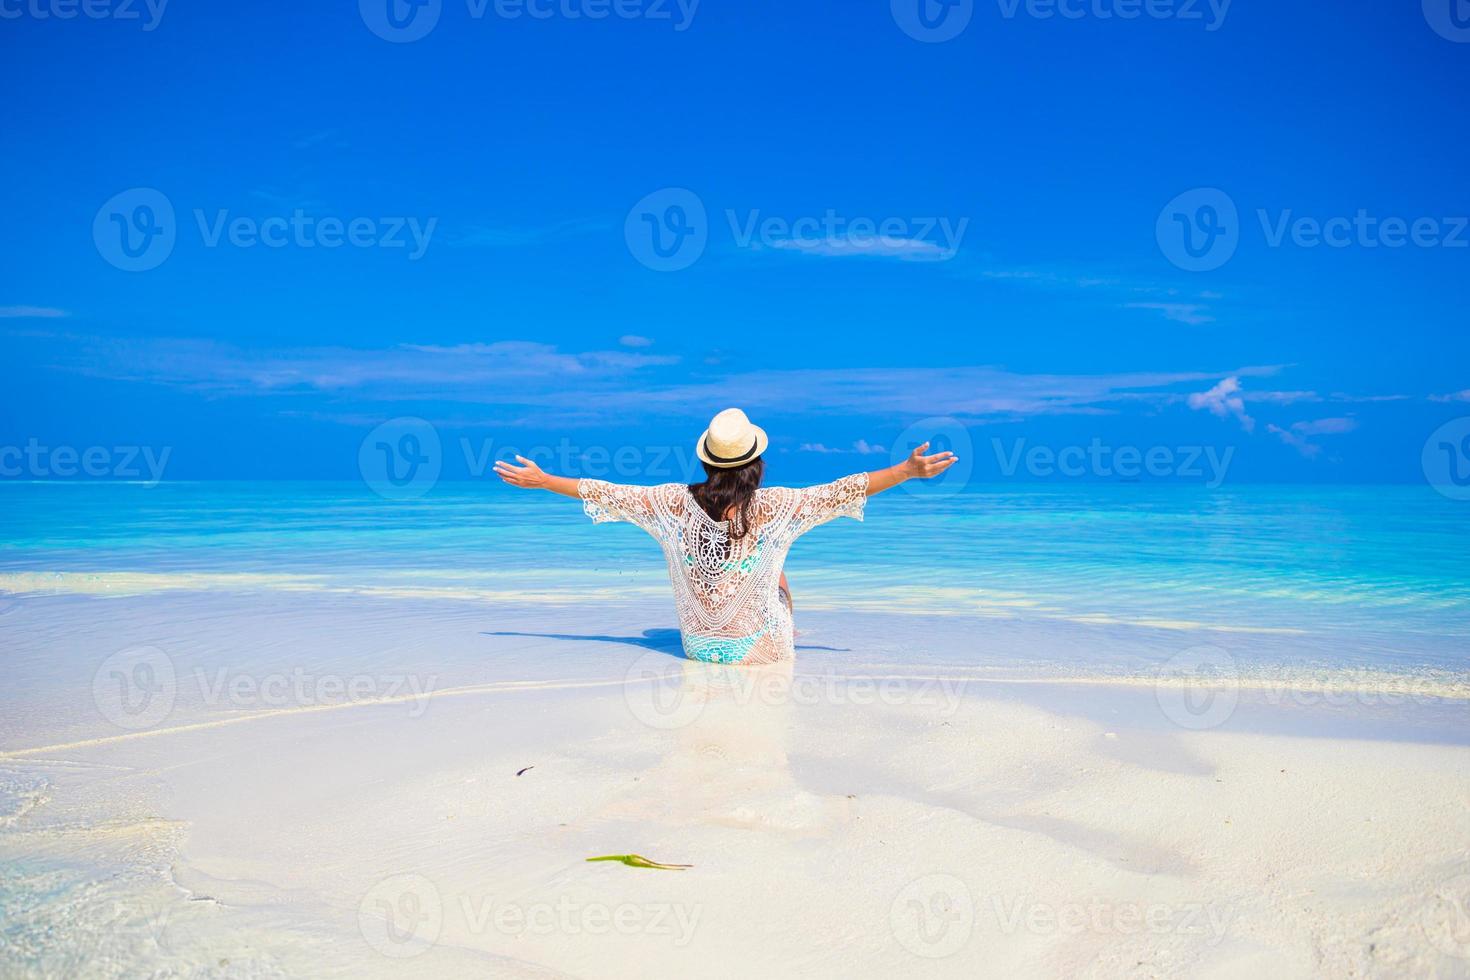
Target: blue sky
1022, 172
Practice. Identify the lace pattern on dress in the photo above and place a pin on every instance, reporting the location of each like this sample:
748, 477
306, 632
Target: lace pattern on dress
726, 592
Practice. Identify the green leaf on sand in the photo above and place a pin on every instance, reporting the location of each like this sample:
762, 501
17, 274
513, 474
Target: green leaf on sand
639, 861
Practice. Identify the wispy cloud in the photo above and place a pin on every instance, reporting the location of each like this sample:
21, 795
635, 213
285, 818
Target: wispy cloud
1299, 435
634, 340
1128, 292
465, 372
1191, 313
569, 387
1454, 396
1280, 397
904, 249
977, 393
31, 313
1339, 396
1292, 397
1224, 401
1051, 278
862, 448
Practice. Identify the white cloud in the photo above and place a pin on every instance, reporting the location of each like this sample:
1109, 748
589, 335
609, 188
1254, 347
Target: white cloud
633, 340
906, 249
862, 448
31, 313
1454, 396
1191, 313
1280, 397
1325, 427
590, 387
1057, 280
1299, 435
475, 372
1128, 292
1223, 401
961, 391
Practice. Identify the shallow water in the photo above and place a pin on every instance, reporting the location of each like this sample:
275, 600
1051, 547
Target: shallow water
1380, 570
249, 601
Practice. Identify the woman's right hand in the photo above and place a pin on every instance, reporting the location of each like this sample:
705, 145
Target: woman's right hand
532, 477
527, 475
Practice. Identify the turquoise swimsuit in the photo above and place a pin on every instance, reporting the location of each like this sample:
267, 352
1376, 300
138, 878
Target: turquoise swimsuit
719, 649
724, 649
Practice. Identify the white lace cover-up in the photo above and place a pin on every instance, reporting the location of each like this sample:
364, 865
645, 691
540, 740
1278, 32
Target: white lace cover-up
730, 610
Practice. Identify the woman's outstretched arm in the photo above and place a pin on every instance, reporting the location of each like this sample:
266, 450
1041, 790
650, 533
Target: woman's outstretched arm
533, 477
916, 467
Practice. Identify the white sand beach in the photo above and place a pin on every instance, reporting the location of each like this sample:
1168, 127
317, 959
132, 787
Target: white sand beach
842, 820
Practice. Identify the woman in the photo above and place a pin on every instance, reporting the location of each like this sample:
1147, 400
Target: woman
726, 539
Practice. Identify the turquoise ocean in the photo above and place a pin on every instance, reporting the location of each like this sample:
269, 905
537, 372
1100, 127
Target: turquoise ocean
1362, 576
1361, 587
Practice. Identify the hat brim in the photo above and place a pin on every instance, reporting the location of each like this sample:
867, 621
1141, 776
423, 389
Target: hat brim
760, 447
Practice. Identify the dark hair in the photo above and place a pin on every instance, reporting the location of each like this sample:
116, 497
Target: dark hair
730, 488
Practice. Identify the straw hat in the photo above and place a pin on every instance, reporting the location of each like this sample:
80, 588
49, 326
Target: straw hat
731, 440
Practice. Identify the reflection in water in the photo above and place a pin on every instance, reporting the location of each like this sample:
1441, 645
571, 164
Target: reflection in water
729, 731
